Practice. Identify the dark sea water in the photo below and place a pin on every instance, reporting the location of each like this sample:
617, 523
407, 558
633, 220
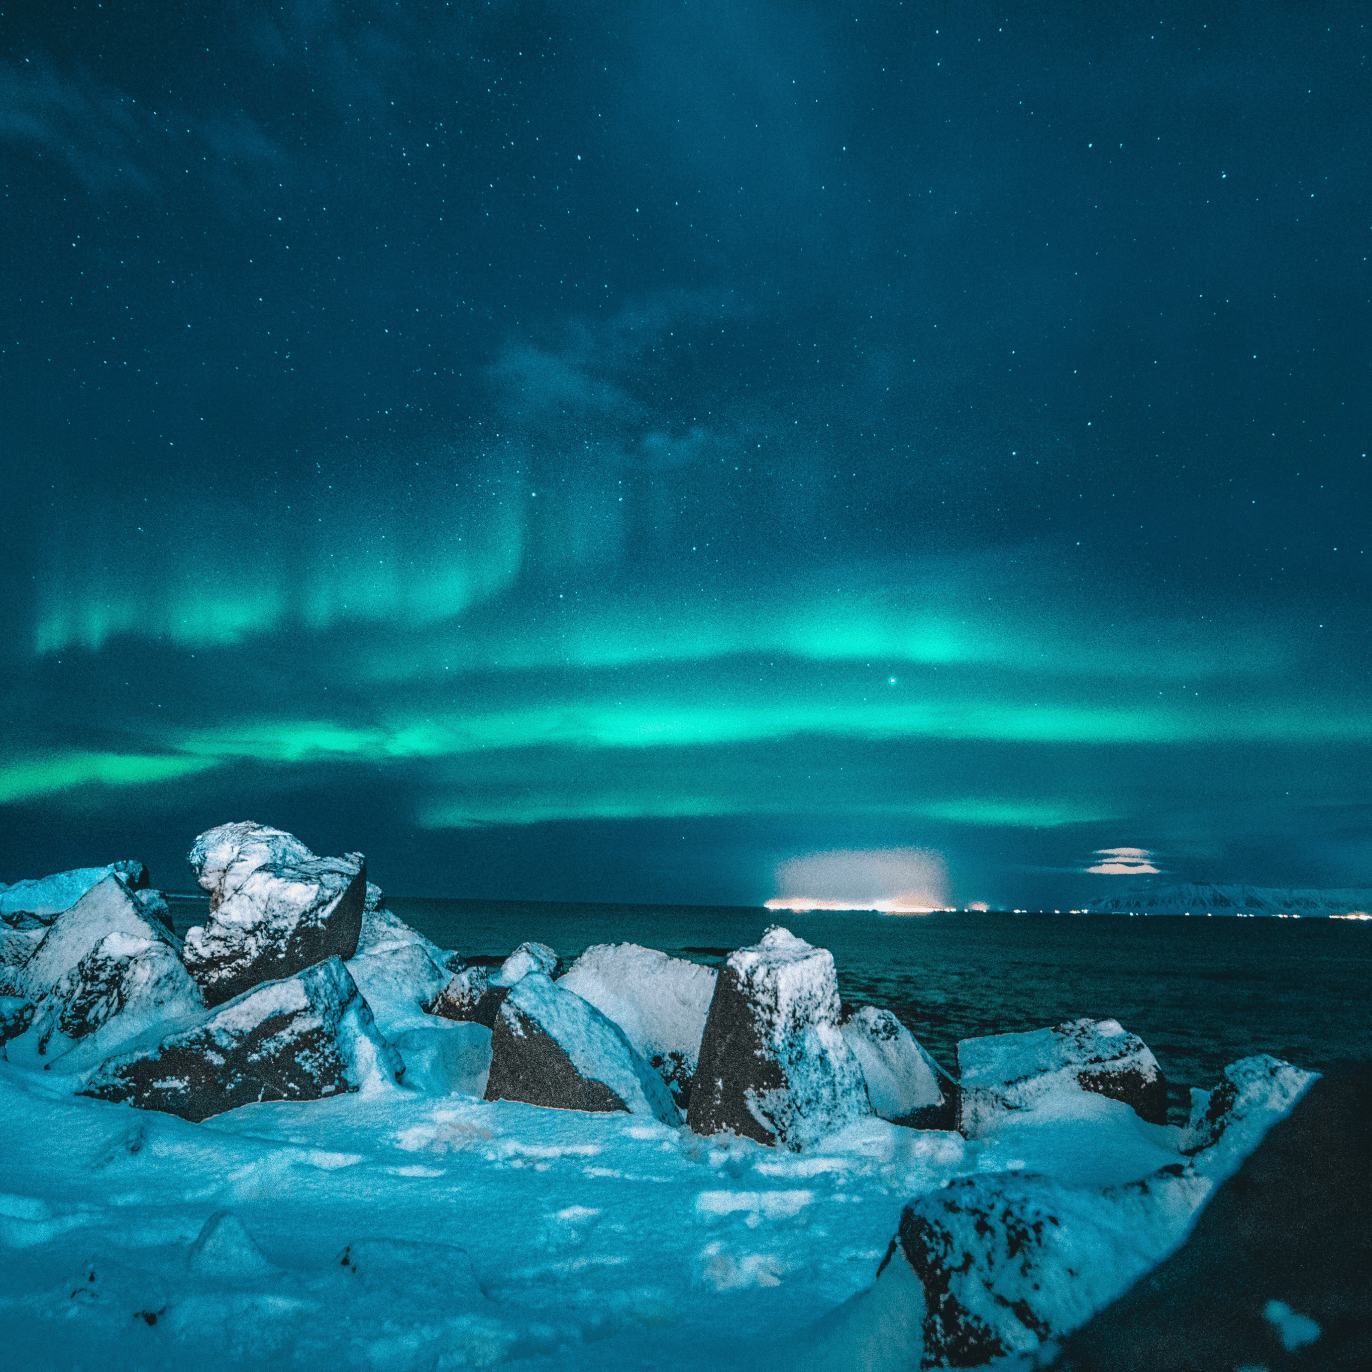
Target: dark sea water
1200, 992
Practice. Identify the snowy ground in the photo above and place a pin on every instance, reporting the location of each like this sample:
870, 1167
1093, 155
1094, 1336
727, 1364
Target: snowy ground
395, 1229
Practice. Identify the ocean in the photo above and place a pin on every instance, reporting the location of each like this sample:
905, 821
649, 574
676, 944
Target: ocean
1201, 992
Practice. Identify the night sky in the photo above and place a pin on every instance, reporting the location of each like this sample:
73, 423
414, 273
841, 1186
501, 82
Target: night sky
623, 451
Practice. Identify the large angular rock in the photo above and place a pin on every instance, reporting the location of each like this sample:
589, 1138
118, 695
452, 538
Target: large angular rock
1007, 1260
39, 900
773, 1062
551, 1048
305, 1037
1275, 1272
1250, 1091
904, 1084
660, 1003
1007, 1072
275, 908
397, 969
475, 996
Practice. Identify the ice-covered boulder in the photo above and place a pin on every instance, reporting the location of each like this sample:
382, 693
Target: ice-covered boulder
44, 897
275, 908
1275, 1272
660, 1003
528, 957
773, 1062
397, 969
551, 1048
1251, 1091
1005, 1072
474, 995
1007, 1260
301, 1038
904, 1084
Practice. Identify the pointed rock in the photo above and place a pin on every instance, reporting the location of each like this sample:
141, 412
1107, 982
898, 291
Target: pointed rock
38, 901
660, 1003
275, 908
773, 1064
302, 1038
551, 1048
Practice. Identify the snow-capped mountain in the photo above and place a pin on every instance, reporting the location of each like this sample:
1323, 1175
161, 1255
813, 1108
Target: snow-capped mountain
1207, 898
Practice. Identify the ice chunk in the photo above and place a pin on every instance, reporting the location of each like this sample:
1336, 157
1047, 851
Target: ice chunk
301, 1038
550, 1047
275, 908
660, 1003
773, 1062
1006, 1072
904, 1083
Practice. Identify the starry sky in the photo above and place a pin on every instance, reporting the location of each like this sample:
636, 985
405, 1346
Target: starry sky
675, 451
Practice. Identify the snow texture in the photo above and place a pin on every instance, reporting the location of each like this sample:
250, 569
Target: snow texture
45, 897
275, 908
549, 1047
903, 1081
1009, 1072
397, 969
661, 1004
773, 1062
301, 1038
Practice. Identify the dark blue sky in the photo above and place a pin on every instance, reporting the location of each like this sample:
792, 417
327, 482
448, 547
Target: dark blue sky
615, 451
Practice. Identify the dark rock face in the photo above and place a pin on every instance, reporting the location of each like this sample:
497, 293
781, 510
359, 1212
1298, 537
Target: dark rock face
773, 1063
1006, 1072
551, 1048
1007, 1260
275, 908
1275, 1272
301, 1038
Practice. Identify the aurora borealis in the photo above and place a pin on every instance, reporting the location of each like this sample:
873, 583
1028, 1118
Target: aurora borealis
616, 451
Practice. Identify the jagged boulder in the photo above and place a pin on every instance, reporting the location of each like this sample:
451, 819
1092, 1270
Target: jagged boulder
1275, 1272
100, 974
551, 1048
904, 1084
660, 1003
475, 996
38, 901
1007, 1072
396, 968
275, 908
773, 1062
1252, 1088
305, 1037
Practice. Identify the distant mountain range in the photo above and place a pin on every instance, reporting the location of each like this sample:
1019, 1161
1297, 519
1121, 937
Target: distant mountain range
1204, 898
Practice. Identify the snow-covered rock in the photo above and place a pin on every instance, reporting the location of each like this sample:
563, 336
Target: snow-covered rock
397, 969
549, 1047
44, 897
1007, 1072
904, 1084
301, 1038
275, 908
528, 957
1251, 1092
474, 995
660, 1003
16, 948
1007, 1260
443, 1059
774, 1065
469, 998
